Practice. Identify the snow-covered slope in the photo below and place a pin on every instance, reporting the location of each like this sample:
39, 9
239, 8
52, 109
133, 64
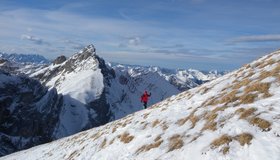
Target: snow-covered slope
236, 116
128, 86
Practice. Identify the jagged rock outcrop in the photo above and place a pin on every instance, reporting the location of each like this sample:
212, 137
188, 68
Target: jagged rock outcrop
29, 112
59, 60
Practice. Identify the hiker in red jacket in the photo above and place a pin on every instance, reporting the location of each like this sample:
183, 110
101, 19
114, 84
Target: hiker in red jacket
144, 98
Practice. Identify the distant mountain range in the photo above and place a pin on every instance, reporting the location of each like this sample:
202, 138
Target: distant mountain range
183, 79
24, 58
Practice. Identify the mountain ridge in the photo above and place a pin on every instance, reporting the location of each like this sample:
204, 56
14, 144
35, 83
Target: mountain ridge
233, 117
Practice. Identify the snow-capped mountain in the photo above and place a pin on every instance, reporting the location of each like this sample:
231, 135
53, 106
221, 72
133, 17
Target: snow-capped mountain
24, 58
183, 79
236, 116
94, 93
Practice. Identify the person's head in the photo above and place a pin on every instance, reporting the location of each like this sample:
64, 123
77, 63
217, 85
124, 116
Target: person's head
146, 92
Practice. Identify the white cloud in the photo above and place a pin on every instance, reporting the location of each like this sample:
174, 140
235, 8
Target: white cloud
134, 41
34, 39
256, 38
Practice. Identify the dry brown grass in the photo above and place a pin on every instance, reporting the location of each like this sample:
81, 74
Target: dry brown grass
191, 117
247, 98
240, 84
211, 116
217, 109
126, 137
114, 129
157, 138
225, 150
261, 123
210, 121
126, 122
96, 135
195, 137
240, 110
257, 64
229, 97
164, 126
264, 74
273, 73
244, 138
103, 144
175, 142
146, 115
248, 113
112, 141
145, 148
182, 121
156, 122
259, 87
73, 155
145, 125
250, 74
210, 101
163, 108
245, 113
247, 66
210, 125
204, 90
224, 139
267, 63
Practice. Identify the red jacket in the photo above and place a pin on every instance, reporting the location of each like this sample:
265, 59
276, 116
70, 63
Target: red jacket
145, 97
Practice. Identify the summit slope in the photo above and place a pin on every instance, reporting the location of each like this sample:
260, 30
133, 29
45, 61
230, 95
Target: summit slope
236, 116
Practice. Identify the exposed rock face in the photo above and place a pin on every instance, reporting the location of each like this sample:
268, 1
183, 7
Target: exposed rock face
7, 66
59, 60
29, 113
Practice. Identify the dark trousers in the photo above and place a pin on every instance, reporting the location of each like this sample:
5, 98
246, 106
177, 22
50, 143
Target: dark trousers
145, 104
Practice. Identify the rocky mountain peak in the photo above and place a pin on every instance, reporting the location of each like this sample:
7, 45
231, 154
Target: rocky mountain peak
87, 51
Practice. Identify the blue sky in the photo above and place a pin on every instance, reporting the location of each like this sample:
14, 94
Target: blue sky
200, 34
